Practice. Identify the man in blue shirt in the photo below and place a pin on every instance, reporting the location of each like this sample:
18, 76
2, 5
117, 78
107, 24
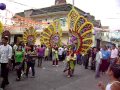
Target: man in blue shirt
105, 59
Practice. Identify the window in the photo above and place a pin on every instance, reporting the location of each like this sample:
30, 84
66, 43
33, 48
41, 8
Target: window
46, 19
63, 22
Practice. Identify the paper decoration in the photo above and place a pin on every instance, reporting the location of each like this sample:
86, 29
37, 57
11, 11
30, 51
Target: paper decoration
1, 27
81, 32
29, 36
51, 36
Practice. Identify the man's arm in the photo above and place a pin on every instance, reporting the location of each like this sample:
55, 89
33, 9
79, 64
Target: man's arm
10, 53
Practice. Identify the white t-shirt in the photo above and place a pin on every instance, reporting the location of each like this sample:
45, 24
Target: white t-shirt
5, 53
98, 57
60, 51
15, 47
108, 87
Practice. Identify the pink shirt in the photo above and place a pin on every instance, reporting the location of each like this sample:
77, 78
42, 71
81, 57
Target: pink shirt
114, 53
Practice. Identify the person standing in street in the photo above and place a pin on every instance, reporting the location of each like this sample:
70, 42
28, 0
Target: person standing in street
46, 53
93, 58
55, 59
60, 53
5, 57
105, 59
114, 55
98, 62
30, 59
19, 58
41, 52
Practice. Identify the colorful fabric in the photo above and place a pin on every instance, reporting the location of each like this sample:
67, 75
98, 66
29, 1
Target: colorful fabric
72, 61
56, 55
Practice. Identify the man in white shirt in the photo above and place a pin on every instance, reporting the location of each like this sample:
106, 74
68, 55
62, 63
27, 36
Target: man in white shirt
60, 53
114, 54
98, 62
5, 56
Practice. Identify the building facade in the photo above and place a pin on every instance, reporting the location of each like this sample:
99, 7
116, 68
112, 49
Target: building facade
58, 11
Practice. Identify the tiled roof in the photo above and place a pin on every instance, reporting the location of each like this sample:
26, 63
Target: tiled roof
55, 8
21, 14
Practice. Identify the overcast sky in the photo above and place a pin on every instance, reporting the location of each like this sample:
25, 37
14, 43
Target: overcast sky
108, 11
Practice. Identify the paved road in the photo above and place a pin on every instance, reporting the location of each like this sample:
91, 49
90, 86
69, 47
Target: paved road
53, 78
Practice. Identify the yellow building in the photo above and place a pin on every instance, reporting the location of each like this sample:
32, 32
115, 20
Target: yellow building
48, 14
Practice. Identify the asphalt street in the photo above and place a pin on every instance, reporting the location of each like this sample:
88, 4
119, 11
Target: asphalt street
53, 78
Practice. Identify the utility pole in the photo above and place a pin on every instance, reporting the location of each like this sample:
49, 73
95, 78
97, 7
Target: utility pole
73, 3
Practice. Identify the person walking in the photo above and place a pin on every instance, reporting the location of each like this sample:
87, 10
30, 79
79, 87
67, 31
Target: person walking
55, 57
41, 52
105, 59
19, 60
5, 59
46, 53
114, 55
60, 53
30, 57
93, 58
71, 60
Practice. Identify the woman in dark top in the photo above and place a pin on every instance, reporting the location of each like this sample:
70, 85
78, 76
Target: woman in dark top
93, 58
30, 56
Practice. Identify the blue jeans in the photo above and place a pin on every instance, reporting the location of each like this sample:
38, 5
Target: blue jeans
32, 65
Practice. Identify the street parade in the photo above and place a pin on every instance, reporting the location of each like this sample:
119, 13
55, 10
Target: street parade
38, 51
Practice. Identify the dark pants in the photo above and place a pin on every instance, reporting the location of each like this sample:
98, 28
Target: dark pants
40, 61
60, 57
86, 63
55, 62
32, 65
13, 62
46, 58
4, 74
19, 69
23, 65
93, 65
70, 71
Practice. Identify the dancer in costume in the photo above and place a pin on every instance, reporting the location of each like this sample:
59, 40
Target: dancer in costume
51, 37
29, 38
80, 32
71, 62
55, 56
80, 39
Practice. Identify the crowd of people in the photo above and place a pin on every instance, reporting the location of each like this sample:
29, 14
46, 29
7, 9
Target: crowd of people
22, 58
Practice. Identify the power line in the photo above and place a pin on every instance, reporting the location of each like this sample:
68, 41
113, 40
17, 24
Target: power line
20, 3
23, 4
